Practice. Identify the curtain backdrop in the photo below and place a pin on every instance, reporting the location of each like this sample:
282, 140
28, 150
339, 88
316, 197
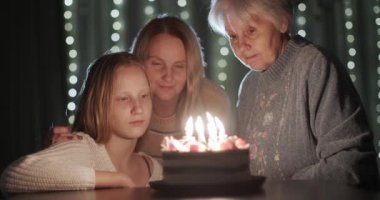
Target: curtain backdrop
34, 75
39, 53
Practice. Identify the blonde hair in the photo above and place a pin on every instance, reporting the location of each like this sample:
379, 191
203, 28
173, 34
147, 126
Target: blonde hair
195, 63
275, 10
95, 100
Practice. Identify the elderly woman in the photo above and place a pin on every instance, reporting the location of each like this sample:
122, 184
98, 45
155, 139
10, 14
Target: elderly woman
297, 107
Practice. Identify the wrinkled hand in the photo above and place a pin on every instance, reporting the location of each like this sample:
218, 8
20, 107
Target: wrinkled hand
62, 134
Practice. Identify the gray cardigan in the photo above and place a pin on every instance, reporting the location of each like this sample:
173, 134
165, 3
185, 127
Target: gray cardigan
304, 120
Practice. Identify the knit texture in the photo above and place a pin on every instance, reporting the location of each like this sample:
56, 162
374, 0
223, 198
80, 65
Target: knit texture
64, 166
304, 120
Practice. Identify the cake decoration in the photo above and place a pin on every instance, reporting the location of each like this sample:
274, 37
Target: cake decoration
205, 155
201, 137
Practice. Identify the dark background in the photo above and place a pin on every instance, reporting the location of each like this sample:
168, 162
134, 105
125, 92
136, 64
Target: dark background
35, 67
34, 75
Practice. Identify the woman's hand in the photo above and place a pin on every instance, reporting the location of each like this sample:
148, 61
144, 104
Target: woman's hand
62, 134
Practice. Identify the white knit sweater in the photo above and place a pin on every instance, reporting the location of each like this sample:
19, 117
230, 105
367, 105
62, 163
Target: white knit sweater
64, 166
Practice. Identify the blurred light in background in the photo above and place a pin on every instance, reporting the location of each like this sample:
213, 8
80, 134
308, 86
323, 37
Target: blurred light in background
70, 27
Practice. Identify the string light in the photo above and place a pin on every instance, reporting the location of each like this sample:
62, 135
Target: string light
72, 55
301, 20
182, 3
149, 9
350, 38
222, 63
117, 26
185, 15
376, 12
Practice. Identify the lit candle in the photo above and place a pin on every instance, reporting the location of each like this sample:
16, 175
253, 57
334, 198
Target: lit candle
189, 128
200, 129
211, 128
222, 132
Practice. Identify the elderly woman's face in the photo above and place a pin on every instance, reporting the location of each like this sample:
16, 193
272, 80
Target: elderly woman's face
257, 43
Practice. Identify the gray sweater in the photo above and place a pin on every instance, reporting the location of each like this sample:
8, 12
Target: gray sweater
304, 120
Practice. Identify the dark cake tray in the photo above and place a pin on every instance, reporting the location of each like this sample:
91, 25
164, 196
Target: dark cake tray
246, 187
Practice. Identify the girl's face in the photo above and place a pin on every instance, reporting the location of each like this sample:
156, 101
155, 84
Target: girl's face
257, 43
166, 67
131, 104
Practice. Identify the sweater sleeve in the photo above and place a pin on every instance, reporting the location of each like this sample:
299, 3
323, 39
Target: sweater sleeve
157, 171
65, 166
344, 143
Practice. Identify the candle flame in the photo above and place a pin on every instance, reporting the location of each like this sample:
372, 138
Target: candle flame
211, 127
199, 127
189, 128
195, 138
222, 132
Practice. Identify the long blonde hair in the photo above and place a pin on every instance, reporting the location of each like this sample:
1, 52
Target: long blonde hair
195, 63
95, 99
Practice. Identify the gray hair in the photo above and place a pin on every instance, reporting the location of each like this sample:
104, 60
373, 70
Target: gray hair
275, 10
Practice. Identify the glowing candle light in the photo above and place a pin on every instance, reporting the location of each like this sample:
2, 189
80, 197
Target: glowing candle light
197, 140
211, 128
189, 128
178, 145
199, 127
222, 132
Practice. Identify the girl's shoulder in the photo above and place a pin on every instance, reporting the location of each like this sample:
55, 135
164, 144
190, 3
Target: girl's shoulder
86, 145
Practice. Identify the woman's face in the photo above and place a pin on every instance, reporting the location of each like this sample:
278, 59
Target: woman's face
166, 67
256, 43
131, 104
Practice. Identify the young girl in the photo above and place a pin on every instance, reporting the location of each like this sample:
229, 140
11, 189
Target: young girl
114, 111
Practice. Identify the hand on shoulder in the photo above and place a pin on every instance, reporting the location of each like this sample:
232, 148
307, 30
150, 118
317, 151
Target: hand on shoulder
62, 134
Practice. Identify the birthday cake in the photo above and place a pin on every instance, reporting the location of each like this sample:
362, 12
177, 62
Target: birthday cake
204, 157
